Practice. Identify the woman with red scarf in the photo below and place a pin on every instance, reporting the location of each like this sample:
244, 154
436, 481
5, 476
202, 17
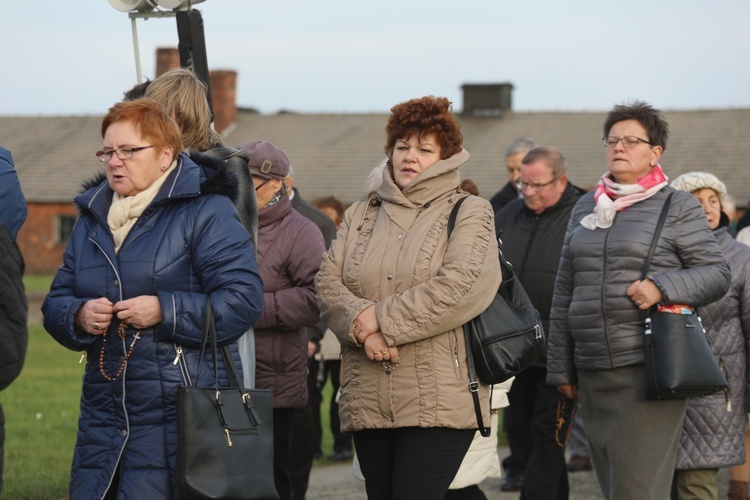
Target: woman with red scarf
600, 303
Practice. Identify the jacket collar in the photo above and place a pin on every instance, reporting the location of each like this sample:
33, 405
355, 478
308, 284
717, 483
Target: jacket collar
269, 215
187, 180
435, 181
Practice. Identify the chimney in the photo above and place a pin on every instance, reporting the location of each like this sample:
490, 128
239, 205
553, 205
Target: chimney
166, 59
224, 97
491, 99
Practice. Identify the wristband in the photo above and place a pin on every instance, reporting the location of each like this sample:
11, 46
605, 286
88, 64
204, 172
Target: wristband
664, 296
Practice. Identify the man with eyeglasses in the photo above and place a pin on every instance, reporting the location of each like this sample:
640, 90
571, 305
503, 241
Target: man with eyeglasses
532, 231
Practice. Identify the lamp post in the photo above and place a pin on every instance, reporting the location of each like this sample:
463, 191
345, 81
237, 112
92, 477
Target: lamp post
192, 45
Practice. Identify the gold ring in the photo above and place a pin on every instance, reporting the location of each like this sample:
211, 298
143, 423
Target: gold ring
97, 325
638, 302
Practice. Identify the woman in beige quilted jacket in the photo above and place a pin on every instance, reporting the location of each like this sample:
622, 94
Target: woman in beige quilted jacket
396, 292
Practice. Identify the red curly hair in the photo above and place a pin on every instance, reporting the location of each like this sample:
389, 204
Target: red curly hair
422, 117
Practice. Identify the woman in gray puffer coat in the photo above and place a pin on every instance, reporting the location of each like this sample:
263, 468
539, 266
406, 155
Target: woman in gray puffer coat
713, 435
595, 348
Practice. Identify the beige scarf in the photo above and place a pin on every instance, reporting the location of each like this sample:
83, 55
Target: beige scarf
125, 210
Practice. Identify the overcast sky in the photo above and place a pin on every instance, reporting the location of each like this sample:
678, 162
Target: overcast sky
66, 57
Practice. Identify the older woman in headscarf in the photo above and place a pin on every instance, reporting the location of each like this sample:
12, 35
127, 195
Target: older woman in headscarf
713, 435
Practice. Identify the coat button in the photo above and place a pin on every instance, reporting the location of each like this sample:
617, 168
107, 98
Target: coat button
124, 432
117, 283
390, 277
401, 235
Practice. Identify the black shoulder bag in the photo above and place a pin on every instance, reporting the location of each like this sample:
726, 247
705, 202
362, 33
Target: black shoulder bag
225, 434
679, 360
506, 338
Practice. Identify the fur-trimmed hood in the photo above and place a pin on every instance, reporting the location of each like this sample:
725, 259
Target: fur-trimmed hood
214, 179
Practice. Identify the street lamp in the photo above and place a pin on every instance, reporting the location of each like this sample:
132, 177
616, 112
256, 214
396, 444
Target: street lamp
146, 5
192, 45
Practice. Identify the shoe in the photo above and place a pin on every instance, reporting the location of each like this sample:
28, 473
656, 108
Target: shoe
512, 481
579, 463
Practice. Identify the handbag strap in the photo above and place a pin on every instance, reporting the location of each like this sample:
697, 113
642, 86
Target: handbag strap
657, 232
209, 335
473, 382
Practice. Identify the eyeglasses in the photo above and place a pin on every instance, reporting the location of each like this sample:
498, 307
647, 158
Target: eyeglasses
520, 185
122, 153
262, 184
629, 141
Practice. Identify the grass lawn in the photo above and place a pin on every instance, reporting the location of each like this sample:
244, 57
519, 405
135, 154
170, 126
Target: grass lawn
41, 418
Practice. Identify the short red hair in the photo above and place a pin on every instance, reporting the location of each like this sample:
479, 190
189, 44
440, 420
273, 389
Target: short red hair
422, 117
150, 119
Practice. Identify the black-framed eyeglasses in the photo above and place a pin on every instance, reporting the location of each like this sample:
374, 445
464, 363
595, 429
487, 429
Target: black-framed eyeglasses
629, 141
262, 184
122, 153
520, 185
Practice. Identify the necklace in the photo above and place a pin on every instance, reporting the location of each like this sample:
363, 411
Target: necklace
120, 335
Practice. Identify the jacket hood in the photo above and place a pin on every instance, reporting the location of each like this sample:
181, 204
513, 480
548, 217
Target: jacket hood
215, 177
431, 183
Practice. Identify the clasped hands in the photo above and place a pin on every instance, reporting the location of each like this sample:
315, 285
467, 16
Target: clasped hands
95, 316
367, 331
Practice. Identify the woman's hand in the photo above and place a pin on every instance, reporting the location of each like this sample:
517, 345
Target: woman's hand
377, 349
568, 390
95, 316
139, 312
366, 323
644, 294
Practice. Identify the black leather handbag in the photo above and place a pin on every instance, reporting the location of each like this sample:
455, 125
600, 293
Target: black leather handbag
507, 337
679, 360
225, 434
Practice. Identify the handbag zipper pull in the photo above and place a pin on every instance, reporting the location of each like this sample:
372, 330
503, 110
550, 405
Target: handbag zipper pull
229, 440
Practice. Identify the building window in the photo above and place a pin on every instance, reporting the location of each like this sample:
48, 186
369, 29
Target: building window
65, 225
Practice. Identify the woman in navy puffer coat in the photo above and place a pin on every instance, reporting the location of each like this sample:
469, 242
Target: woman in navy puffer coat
187, 243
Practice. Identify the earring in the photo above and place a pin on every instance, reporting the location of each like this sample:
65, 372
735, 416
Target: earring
164, 168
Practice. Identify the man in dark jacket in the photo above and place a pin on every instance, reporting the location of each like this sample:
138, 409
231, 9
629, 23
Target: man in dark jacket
514, 154
13, 312
532, 230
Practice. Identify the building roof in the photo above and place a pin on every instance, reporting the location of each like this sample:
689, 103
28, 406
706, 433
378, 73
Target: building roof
332, 154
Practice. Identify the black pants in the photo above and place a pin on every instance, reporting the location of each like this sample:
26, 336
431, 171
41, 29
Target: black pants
411, 462
533, 405
283, 425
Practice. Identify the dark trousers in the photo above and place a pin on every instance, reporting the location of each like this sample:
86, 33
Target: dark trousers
283, 425
533, 405
411, 462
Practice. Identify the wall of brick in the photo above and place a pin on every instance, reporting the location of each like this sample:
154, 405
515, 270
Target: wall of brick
37, 238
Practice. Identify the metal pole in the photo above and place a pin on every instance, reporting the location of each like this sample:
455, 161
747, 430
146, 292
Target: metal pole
135, 50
